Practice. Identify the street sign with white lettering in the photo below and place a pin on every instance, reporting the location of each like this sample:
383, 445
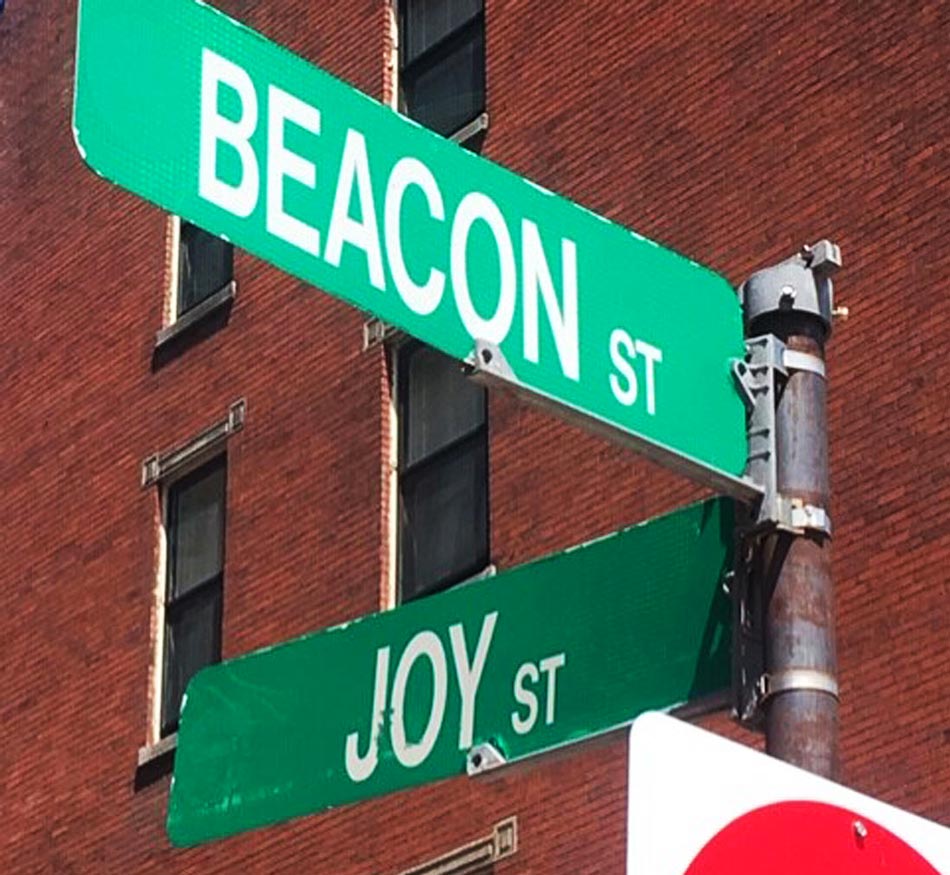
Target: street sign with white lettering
206, 118
534, 658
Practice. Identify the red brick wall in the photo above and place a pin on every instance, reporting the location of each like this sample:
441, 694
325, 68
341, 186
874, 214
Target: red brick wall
731, 132
734, 133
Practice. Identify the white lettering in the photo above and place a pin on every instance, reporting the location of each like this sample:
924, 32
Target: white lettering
626, 396
359, 768
537, 278
549, 665
470, 675
621, 344
424, 644
525, 697
240, 199
363, 234
281, 163
409, 171
653, 355
477, 206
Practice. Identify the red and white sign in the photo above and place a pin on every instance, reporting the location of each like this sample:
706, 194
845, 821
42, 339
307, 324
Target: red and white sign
702, 805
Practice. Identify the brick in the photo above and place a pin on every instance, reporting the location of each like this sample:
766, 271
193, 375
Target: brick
727, 133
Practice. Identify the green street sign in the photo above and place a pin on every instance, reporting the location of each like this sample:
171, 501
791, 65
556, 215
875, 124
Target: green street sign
206, 118
534, 658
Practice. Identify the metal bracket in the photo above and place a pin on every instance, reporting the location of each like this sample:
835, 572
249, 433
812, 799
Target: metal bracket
764, 355
752, 685
758, 380
748, 621
760, 377
803, 361
770, 685
823, 257
801, 283
803, 517
483, 758
487, 360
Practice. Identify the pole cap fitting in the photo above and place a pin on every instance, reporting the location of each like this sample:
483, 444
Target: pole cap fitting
800, 284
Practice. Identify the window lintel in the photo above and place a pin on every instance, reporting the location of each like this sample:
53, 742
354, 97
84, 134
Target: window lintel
172, 463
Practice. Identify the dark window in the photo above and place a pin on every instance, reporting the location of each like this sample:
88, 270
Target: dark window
195, 566
443, 473
442, 65
205, 266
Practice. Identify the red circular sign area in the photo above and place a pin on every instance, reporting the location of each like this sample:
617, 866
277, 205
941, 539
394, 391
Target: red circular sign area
807, 838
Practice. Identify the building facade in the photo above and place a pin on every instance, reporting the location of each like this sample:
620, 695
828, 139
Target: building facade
202, 455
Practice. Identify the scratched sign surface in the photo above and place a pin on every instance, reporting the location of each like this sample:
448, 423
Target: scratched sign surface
208, 119
536, 657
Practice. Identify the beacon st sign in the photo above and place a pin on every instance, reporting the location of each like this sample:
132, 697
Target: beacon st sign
206, 118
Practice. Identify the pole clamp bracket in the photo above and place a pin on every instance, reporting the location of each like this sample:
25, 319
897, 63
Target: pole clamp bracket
794, 360
793, 680
760, 377
801, 518
800, 284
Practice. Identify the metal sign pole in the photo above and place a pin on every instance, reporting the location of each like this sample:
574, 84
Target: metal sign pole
788, 312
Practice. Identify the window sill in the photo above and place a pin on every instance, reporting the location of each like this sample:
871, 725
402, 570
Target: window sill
155, 761
196, 315
148, 753
488, 571
465, 135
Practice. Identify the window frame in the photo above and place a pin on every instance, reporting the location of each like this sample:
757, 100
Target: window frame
457, 447
430, 58
161, 470
175, 325
176, 606
176, 313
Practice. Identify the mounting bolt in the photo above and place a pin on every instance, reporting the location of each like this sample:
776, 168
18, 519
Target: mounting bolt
860, 830
483, 757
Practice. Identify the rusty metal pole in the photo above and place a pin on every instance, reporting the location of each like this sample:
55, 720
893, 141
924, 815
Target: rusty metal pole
799, 689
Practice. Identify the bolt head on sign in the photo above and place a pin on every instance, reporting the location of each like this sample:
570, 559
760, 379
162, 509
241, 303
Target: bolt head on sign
702, 805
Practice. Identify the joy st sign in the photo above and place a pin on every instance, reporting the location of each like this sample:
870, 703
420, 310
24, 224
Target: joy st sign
199, 114
427, 646
534, 658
